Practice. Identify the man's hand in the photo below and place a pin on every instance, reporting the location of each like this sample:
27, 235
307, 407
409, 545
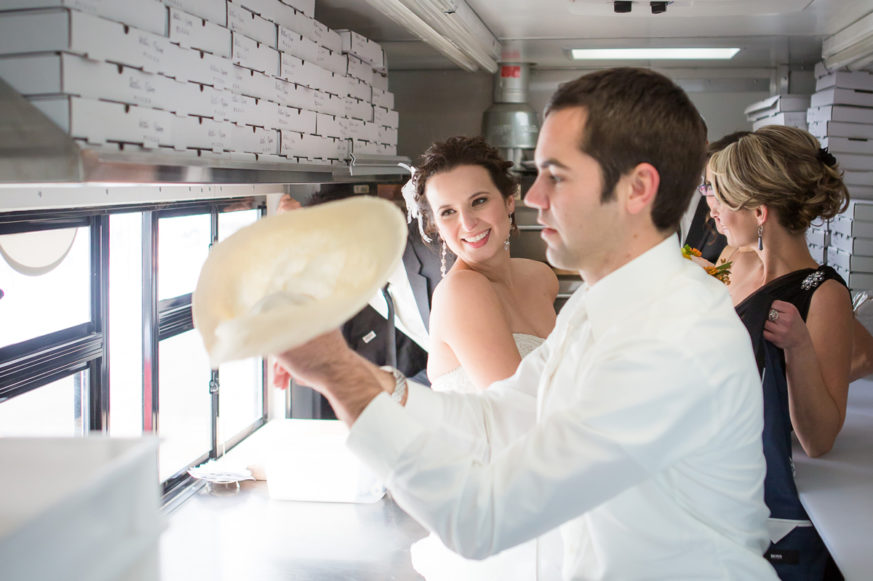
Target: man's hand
328, 365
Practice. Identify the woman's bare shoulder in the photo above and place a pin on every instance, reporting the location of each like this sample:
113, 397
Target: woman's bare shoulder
537, 273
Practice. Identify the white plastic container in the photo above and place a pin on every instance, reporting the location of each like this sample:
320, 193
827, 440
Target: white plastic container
79, 509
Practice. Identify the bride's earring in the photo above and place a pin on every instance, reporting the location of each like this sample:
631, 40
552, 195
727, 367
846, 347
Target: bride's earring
443, 258
760, 237
506, 242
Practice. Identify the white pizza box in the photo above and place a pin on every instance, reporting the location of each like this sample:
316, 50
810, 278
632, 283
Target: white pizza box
386, 117
150, 15
386, 135
841, 96
861, 193
850, 262
817, 235
853, 227
307, 7
246, 110
380, 80
858, 210
793, 119
841, 145
295, 44
818, 253
64, 73
294, 119
334, 61
330, 104
837, 129
359, 69
329, 126
287, 93
272, 10
368, 131
254, 139
855, 280
302, 72
252, 83
64, 497
357, 109
306, 145
251, 54
201, 133
851, 245
843, 113
362, 147
193, 31
855, 161
212, 10
63, 30
362, 47
776, 104
358, 89
845, 79
383, 98
101, 121
326, 37
244, 21
858, 178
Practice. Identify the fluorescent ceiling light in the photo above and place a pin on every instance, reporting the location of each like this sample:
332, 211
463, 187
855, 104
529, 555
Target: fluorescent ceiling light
651, 54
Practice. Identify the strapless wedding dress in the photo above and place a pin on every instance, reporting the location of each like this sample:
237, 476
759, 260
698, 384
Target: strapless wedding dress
432, 559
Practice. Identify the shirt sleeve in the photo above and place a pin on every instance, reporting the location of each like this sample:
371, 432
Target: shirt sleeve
540, 474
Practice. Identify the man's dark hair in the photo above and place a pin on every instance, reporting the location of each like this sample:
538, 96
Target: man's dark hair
639, 116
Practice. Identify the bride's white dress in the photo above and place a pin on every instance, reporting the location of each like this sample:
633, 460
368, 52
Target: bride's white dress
435, 561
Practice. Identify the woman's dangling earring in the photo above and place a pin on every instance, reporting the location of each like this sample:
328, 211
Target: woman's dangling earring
506, 242
760, 237
443, 258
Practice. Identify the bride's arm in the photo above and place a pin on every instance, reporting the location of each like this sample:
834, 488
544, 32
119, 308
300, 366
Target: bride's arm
468, 317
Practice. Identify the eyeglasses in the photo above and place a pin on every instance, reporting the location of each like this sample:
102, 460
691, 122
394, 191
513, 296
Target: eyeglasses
705, 189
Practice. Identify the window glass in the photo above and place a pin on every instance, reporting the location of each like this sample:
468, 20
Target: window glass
57, 409
183, 244
230, 222
240, 396
38, 304
125, 324
185, 406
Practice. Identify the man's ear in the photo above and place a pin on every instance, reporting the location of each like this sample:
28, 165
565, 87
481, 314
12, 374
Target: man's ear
641, 187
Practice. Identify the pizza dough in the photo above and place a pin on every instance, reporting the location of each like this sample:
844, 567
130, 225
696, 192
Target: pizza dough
287, 278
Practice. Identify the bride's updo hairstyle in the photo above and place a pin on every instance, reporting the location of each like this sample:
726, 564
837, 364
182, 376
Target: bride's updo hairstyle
454, 152
785, 169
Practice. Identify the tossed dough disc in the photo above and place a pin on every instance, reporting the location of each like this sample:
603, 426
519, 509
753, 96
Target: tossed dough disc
287, 278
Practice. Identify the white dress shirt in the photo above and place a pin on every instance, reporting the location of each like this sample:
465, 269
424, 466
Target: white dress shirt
635, 428
688, 216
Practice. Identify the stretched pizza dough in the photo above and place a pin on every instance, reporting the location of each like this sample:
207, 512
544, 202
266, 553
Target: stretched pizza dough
287, 278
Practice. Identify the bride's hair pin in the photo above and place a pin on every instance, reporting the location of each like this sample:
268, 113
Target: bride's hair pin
412, 209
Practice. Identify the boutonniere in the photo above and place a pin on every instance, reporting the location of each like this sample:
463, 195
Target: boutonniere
722, 271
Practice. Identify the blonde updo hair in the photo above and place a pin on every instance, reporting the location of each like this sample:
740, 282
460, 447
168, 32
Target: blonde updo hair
783, 168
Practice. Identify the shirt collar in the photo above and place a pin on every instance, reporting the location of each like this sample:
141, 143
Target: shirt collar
618, 294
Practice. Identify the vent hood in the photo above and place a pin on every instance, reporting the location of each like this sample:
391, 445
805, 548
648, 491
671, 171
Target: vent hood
510, 123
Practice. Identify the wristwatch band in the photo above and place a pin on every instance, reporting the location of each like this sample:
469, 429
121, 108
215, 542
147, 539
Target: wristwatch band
399, 383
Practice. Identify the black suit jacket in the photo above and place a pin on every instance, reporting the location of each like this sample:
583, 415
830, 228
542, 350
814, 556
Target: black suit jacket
702, 234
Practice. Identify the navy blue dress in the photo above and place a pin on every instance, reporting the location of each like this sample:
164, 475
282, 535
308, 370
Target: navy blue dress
801, 554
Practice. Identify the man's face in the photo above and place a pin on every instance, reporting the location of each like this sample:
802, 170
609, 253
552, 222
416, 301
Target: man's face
579, 230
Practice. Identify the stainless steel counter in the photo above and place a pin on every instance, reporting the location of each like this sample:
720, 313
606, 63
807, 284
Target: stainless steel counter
248, 536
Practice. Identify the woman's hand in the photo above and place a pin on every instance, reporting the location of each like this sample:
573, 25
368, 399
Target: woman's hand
785, 327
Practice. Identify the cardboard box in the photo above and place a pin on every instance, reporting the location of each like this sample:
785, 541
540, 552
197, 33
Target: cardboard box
357, 109
192, 31
69, 74
63, 30
386, 117
854, 161
295, 44
326, 37
817, 235
203, 68
843, 113
287, 93
358, 89
843, 145
244, 21
849, 262
335, 62
293, 119
252, 83
383, 98
387, 135
861, 193
71, 495
818, 253
272, 10
796, 119
380, 81
308, 146
101, 121
844, 79
362, 47
251, 54
212, 10
841, 96
307, 7
250, 111
148, 15
852, 227
837, 129
856, 280
858, 178
851, 245
858, 210
330, 104
776, 104
199, 133
359, 69
249, 139
330, 126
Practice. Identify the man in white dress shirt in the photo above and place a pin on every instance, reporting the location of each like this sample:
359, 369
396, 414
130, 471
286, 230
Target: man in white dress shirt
636, 427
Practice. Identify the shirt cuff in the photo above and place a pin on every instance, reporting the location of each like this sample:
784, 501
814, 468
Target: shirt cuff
381, 435
424, 404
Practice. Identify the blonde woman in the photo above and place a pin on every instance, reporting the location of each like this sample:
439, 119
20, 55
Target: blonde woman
767, 188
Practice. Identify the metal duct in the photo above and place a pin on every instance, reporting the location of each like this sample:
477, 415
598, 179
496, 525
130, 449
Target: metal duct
510, 124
